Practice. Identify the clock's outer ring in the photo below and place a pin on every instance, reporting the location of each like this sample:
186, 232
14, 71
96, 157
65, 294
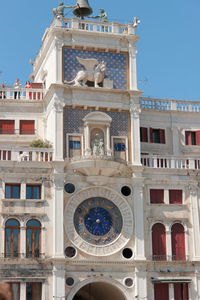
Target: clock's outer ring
120, 202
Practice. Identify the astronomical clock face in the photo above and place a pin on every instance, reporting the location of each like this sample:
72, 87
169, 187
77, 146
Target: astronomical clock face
98, 221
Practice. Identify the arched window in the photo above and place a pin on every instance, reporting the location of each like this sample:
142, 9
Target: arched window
159, 242
178, 242
12, 238
33, 234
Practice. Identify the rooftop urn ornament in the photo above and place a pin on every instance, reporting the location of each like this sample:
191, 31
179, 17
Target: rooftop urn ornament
82, 9
94, 72
59, 11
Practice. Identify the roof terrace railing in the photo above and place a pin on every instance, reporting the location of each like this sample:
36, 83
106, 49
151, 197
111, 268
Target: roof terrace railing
170, 162
21, 94
169, 105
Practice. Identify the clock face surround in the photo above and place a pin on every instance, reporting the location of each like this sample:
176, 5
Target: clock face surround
98, 221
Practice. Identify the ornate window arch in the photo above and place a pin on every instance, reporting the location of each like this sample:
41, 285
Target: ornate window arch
97, 133
33, 238
12, 238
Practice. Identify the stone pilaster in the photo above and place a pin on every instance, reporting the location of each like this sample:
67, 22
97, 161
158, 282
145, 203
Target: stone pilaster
58, 282
195, 217
132, 67
58, 139
58, 64
135, 134
58, 233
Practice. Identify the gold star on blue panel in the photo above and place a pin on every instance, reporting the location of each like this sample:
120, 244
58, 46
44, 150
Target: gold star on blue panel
116, 65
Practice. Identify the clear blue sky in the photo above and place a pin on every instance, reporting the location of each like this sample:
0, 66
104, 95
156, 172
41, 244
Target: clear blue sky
168, 52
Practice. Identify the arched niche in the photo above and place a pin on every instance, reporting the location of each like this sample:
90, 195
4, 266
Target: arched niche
97, 134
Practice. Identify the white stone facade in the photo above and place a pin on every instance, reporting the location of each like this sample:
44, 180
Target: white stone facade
123, 168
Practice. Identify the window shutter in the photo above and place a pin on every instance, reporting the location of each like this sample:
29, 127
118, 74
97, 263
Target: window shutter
159, 242
7, 126
198, 137
143, 134
175, 197
188, 138
178, 242
151, 135
27, 127
161, 291
181, 291
162, 136
156, 196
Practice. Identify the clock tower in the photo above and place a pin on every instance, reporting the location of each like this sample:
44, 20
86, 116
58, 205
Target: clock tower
92, 120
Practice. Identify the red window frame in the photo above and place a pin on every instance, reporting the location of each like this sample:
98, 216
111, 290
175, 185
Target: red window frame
192, 138
161, 135
161, 291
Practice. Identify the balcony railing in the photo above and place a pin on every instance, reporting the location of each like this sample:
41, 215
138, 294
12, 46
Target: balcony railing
170, 162
95, 26
169, 105
26, 154
21, 94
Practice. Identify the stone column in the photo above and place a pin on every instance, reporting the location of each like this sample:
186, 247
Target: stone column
139, 221
58, 232
58, 58
23, 241
22, 290
58, 282
87, 140
171, 291
168, 242
195, 220
58, 138
108, 141
132, 67
140, 284
135, 134
23, 190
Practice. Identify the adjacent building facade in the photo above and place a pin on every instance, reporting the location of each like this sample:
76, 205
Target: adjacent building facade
111, 210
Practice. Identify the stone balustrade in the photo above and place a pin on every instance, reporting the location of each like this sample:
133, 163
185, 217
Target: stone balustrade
8, 93
169, 105
170, 162
26, 154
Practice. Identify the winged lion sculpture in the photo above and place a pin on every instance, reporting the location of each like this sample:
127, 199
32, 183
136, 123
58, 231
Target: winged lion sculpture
94, 71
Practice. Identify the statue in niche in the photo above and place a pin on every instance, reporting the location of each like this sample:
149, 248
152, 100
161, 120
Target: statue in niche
98, 145
94, 72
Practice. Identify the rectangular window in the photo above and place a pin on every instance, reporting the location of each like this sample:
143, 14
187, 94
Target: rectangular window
74, 146
27, 127
156, 196
161, 291
143, 134
33, 191
33, 291
157, 136
175, 196
192, 138
7, 126
12, 191
181, 291
15, 288
119, 148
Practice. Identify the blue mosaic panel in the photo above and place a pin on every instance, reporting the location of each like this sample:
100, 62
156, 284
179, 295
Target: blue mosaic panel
116, 68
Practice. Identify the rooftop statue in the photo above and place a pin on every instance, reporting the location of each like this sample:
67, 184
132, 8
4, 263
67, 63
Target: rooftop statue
59, 11
103, 17
94, 71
